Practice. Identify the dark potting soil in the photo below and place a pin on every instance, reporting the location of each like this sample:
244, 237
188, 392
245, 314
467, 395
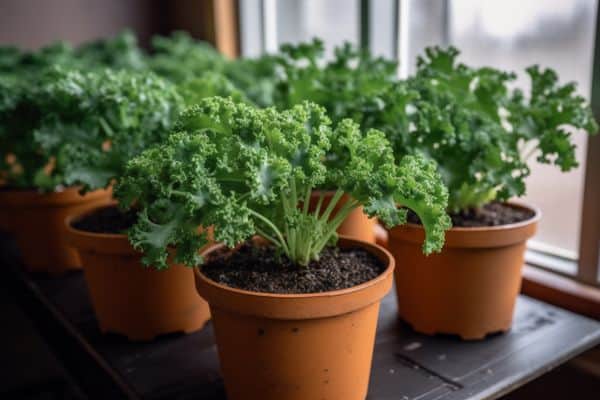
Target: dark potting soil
262, 269
492, 214
107, 220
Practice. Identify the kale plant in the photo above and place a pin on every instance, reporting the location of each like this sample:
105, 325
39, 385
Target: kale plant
481, 131
80, 128
247, 171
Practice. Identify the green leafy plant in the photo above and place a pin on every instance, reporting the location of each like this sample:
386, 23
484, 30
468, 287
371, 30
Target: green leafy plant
209, 84
20, 159
255, 77
73, 128
479, 130
180, 58
348, 86
247, 171
10, 57
119, 52
56, 54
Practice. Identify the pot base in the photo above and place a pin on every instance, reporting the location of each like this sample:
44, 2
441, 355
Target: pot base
194, 325
463, 334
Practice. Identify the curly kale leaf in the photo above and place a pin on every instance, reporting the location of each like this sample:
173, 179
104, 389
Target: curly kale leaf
10, 57
367, 169
120, 52
246, 171
21, 162
209, 84
179, 57
256, 78
478, 129
56, 54
74, 128
549, 116
347, 86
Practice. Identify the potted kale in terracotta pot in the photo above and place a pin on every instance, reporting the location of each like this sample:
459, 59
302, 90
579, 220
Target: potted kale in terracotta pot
119, 115
348, 86
482, 134
294, 308
37, 187
36, 194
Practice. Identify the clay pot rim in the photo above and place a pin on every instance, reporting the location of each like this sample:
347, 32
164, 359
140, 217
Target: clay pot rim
35, 198
515, 204
70, 219
475, 237
102, 243
334, 293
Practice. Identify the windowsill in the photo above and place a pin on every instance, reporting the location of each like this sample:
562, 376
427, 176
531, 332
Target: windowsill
552, 263
561, 291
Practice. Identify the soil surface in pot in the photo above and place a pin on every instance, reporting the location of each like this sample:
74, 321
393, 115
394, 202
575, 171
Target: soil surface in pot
107, 220
492, 214
263, 269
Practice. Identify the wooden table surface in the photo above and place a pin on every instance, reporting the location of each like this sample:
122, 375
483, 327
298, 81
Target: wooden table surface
406, 365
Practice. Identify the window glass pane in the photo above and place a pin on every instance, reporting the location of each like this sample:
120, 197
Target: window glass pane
427, 27
381, 28
335, 21
250, 28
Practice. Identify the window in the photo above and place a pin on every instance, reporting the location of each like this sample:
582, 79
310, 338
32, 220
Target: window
510, 34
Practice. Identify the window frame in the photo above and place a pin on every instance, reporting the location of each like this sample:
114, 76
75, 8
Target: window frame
589, 248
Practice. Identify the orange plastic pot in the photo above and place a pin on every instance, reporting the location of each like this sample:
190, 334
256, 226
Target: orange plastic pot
297, 346
37, 222
470, 288
357, 225
130, 299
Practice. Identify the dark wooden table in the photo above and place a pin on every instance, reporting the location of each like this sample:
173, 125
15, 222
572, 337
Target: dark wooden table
406, 365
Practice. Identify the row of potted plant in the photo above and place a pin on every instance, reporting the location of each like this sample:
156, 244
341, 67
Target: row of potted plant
254, 196
481, 132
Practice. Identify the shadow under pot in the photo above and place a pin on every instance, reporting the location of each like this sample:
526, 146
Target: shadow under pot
36, 220
357, 224
470, 288
297, 346
128, 298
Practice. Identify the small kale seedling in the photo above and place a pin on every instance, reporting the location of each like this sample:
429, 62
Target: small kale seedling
247, 171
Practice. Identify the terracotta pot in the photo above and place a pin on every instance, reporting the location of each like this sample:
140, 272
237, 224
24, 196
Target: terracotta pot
357, 225
37, 222
130, 299
470, 288
297, 346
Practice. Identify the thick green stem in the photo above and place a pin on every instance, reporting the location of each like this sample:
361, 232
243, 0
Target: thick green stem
273, 228
334, 200
306, 204
335, 223
319, 204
